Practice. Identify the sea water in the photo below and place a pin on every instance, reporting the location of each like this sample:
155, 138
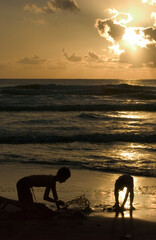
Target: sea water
103, 125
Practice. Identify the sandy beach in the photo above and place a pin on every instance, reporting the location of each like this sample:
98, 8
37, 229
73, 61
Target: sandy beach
98, 189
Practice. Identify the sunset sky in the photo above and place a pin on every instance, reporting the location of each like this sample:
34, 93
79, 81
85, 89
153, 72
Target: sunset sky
78, 39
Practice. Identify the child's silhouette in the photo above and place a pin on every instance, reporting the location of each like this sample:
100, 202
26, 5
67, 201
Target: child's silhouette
124, 181
25, 184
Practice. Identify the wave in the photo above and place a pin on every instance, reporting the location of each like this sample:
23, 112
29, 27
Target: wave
91, 138
53, 97
77, 107
96, 116
135, 91
97, 166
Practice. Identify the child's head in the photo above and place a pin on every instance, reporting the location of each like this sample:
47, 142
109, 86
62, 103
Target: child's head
63, 174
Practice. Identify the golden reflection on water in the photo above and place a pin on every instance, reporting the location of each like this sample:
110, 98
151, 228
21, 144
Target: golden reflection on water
131, 153
125, 155
130, 115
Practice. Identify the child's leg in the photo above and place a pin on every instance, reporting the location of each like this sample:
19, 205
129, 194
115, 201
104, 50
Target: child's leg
24, 193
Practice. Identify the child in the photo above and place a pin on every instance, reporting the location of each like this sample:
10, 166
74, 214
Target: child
121, 182
25, 184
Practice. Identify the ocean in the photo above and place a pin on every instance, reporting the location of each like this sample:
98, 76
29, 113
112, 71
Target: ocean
103, 125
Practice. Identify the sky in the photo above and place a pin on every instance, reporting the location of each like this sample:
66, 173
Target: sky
78, 39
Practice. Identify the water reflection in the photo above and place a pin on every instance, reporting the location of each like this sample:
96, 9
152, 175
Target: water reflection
130, 115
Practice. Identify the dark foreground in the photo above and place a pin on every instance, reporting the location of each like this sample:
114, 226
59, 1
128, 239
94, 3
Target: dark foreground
42, 224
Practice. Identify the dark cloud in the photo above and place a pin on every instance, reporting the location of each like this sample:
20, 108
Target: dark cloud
65, 5
143, 57
109, 28
36, 9
150, 33
33, 60
93, 57
139, 47
52, 5
72, 58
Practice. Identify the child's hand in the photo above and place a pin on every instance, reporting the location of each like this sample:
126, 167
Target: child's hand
60, 203
116, 205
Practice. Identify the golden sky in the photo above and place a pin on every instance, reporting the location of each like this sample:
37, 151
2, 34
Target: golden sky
78, 39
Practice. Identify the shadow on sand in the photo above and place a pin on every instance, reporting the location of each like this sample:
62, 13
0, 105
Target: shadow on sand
125, 224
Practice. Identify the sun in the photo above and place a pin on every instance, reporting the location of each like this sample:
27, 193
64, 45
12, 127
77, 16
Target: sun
134, 38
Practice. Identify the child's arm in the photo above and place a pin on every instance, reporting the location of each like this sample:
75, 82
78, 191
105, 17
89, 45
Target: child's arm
58, 202
49, 199
116, 193
46, 195
131, 198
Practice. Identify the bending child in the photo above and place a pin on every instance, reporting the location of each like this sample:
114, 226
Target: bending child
124, 181
25, 184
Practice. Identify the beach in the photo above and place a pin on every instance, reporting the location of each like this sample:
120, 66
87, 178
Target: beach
100, 129
78, 91
98, 189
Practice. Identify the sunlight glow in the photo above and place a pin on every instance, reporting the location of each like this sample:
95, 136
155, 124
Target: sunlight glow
135, 37
119, 17
124, 21
150, 2
112, 11
116, 49
153, 16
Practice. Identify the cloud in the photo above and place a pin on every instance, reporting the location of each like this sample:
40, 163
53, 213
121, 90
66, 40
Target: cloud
119, 17
93, 57
133, 45
65, 5
149, 2
110, 29
150, 33
34, 60
72, 58
145, 51
33, 8
53, 5
145, 57
153, 16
